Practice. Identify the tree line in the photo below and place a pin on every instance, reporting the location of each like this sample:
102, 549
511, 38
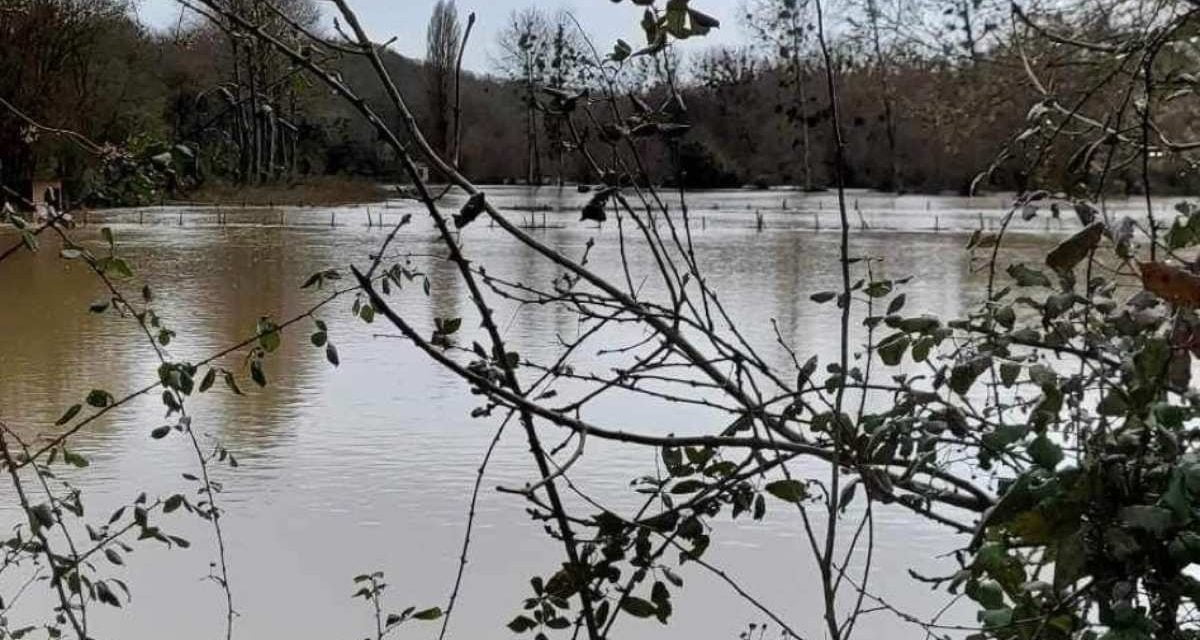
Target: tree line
927, 101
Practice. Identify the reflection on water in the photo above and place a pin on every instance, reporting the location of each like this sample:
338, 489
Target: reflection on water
370, 465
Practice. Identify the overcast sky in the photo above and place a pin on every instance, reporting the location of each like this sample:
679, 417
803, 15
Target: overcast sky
406, 20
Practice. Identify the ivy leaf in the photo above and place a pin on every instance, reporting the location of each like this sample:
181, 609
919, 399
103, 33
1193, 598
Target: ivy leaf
331, 354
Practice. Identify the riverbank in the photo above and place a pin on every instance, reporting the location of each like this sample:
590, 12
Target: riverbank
317, 191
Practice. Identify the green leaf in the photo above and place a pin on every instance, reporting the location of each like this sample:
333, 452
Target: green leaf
823, 296
160, 432
521, 624
1009, 371
879, 288
173, 503
68, 415
256, 373
432, 613
638, 607
787, 490
331, 354
99, 398
268, 335
474, 206
987, 593
891, 350
1070, 560
964, 374
207, 382
1071, 251
1045, 452
621, 51
687, 486
231, 382
74, 459
1027, 277
1151, 519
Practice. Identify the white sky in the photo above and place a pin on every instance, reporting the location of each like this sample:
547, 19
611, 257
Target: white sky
605, 21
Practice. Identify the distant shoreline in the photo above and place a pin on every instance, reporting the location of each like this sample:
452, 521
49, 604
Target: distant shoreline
310, 191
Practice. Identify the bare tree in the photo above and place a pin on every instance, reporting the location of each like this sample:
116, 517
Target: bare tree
782, 24
526, 46
443, 39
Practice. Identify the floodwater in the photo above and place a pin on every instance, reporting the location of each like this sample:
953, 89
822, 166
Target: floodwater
370, 465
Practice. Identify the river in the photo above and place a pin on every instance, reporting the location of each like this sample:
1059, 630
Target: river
370, 465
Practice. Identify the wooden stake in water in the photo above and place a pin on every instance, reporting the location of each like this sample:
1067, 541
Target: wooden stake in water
331, 223
370, 223
937, 224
